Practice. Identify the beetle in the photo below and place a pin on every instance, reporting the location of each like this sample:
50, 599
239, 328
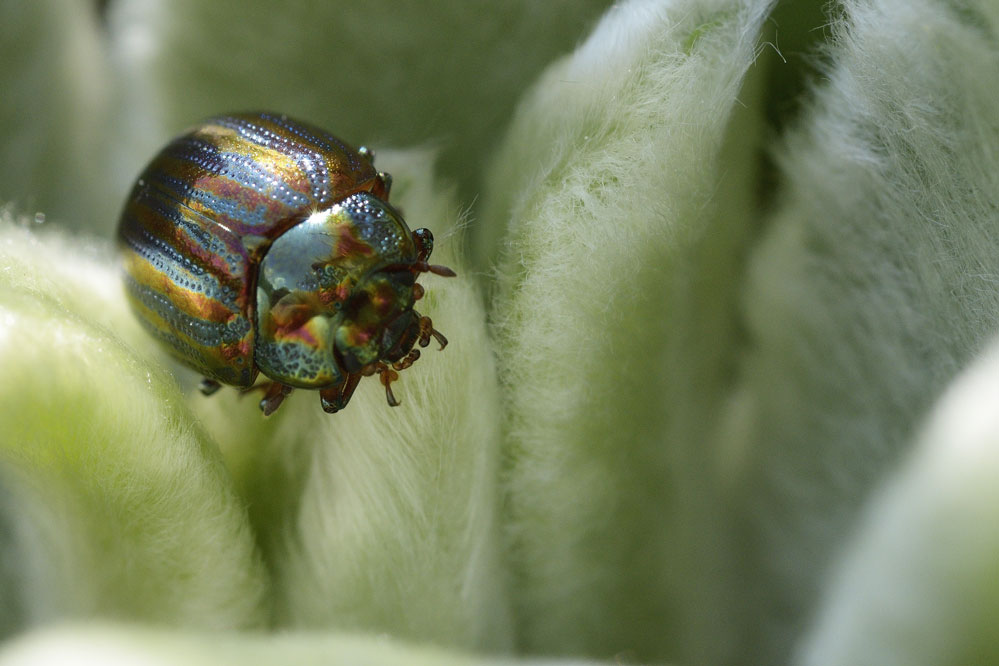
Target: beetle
254, 243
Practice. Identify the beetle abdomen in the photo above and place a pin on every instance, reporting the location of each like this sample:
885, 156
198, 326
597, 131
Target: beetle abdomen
187, 285
202, 215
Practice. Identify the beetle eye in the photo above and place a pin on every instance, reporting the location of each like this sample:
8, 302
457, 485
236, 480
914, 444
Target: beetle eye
424, 243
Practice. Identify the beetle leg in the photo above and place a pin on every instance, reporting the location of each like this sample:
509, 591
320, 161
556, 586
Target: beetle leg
335, 398
426, 325
427, 330
408, 360
209, 386
387, 375
274, 395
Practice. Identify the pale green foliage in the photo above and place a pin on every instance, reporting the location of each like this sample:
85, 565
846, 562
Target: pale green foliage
53, 113
126, 646
390, 72
377, 509
875, 285
117, 504
690, 429
406, 73
919, 585
616, 216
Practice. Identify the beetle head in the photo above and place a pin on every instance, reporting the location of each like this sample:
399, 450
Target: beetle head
335, 293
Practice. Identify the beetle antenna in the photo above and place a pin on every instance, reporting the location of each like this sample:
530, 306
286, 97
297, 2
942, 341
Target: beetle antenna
436, 269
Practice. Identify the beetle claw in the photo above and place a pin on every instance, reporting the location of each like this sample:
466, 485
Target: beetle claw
274, 395
387, 375
439, 337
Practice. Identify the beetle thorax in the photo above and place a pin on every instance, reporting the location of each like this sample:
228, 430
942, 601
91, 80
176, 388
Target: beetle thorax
333, 292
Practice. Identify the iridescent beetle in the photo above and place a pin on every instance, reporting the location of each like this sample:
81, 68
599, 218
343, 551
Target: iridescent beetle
256, 243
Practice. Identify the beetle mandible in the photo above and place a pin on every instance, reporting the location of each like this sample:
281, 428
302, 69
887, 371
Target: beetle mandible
255, 243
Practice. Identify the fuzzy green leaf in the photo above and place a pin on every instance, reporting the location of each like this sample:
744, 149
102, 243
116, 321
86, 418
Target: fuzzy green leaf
608, 177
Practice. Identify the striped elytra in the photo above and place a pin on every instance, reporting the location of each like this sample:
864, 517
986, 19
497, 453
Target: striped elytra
254, 243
